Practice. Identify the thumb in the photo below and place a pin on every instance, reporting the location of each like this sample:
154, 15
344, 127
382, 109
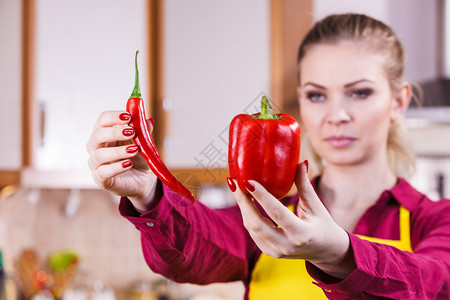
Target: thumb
309, 201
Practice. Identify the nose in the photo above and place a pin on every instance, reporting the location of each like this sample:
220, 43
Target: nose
338, 112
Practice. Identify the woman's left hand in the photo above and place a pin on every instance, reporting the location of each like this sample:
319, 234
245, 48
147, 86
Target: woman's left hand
310, 233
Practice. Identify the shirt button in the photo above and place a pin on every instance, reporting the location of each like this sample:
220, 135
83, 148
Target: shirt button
150, 224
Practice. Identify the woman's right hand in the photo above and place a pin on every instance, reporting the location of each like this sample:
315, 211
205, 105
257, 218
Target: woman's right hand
115, 161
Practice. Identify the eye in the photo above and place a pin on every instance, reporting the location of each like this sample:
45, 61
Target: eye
315, 97
361, 94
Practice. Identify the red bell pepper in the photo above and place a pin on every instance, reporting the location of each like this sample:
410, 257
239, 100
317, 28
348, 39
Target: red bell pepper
264, 147
143, 138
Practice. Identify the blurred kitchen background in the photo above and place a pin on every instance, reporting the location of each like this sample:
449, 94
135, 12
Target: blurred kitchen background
63, 62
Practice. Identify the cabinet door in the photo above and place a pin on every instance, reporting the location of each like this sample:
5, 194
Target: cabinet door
10, 87
216, 65
84, 64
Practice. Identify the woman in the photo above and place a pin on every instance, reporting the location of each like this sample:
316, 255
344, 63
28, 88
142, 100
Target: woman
359, 230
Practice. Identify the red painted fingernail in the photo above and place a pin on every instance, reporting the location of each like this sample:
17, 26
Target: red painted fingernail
153, 121
307, 165
128, 131
231, 184
127, 164
248, 186
132, 149
124, 117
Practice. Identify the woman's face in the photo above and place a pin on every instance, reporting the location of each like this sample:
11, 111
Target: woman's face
346, 103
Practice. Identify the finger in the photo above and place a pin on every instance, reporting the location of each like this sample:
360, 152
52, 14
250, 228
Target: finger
263, 231
113, 117
101, 136
104, 174
279, 213
111, 154
106, 119
309, 201
249, 211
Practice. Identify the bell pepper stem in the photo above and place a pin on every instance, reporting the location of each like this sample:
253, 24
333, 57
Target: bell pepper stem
136, 93
265, 110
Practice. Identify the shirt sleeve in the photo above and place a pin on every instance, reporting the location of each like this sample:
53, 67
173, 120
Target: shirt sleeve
190, 242
386, 272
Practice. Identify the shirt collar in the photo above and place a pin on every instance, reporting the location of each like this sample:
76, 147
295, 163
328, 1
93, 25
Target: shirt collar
405, 194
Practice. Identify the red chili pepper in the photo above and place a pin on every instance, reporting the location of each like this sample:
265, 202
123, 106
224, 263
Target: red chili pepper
143, 138
264, 147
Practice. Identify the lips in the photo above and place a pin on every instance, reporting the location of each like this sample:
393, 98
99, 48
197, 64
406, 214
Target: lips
340, 141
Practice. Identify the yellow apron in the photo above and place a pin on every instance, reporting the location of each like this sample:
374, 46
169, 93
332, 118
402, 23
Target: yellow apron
288, 279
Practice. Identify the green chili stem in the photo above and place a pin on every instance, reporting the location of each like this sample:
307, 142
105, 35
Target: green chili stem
136, 93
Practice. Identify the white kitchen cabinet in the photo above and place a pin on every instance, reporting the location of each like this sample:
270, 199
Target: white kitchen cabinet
10, 85
84, 64
216, 65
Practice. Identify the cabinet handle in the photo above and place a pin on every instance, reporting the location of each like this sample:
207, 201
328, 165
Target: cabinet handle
42, 114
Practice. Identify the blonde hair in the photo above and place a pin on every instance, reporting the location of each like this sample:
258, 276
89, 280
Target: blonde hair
379, 38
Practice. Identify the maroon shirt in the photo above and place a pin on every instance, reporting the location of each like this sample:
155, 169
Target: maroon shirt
195, 244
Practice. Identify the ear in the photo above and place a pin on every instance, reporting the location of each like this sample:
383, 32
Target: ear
401, 101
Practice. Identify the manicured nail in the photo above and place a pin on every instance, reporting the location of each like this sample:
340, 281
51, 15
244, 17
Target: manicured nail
124, 117
248, 186
132, 149
126, 164
231, 185
307, 165
152, 121
128, 131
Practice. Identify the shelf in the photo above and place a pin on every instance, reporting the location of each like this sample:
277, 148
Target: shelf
70, 179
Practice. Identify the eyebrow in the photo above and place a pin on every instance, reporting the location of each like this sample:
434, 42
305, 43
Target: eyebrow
356, 82
315, 85
346, 86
